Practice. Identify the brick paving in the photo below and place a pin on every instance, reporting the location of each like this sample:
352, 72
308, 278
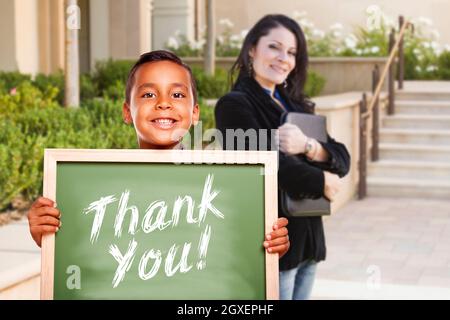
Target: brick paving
398, 244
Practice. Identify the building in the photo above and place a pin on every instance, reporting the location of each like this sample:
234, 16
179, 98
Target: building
32, 31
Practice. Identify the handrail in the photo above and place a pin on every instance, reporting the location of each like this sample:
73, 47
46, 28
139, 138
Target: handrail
366, 114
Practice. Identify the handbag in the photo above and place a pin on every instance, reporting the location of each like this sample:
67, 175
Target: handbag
313, 126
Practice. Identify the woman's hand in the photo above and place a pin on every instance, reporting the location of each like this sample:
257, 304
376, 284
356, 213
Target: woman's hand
43, 218
278, 240
292, 140
332, 184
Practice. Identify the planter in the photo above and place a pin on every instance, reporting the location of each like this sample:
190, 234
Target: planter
341, 74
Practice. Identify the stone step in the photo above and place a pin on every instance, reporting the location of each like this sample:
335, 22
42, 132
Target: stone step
433, 95
405, 169
412, 188
422, 107
414, 121
413, 136
394, 151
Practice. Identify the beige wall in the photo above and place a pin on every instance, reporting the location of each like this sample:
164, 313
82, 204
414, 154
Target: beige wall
323, 13
8, 60
26, 26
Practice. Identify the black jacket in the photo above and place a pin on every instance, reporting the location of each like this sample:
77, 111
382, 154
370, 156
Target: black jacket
248, 106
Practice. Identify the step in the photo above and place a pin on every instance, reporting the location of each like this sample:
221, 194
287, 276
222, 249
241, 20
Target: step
409, 188
422, 107
411, 121
413, 136
405, 169
434, 95
395, 151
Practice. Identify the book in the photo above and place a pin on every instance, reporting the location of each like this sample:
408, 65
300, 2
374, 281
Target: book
313, 126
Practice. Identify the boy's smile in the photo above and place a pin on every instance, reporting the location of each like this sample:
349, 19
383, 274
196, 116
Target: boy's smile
162, 105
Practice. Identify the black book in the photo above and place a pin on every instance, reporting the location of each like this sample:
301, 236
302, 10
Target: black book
314, 126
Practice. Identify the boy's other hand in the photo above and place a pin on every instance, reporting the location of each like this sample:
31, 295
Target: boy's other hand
43, 218
278, 240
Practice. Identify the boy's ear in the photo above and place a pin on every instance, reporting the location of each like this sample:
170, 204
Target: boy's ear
195, 114
126, 113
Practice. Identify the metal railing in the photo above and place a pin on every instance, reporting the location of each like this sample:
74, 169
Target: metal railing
395, 46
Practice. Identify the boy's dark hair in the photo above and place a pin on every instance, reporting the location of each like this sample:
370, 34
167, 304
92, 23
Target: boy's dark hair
158, 55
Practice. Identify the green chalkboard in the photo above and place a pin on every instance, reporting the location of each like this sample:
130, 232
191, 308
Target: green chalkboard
159, 231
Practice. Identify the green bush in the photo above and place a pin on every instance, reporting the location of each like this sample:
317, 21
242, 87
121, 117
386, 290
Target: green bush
211, 87
444, 65
24, 135
11, 80
45, 82
107, 73
314, 84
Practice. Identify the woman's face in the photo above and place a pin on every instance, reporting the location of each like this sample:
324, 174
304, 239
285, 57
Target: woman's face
274, 57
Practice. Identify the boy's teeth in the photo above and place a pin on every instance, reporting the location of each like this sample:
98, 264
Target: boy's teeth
164, 121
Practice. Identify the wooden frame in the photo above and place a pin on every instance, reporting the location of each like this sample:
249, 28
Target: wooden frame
268, 158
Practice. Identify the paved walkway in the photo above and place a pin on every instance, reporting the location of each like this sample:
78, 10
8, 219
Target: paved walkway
385, 248
19, 256
378, 248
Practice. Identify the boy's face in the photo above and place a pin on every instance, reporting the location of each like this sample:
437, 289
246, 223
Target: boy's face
161, 105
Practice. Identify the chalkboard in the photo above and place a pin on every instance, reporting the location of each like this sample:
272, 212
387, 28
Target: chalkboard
147, 224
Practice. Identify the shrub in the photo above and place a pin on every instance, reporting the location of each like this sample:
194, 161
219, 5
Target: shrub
444, 65
314, 84
107, 73
24, 135
11, 80
211, 86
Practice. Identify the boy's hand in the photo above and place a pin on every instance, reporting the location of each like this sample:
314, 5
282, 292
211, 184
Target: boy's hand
278, 240
43, 218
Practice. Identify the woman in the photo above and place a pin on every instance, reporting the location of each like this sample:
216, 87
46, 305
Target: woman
272, 67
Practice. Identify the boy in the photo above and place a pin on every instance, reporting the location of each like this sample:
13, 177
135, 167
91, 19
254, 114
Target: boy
161, 102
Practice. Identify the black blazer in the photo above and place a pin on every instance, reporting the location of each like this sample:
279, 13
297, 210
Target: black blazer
248, 106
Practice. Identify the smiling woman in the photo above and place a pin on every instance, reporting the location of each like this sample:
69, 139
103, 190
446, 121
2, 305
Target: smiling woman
271, 71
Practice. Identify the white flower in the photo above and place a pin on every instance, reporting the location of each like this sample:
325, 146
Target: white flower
299, 15
416, 51
435, 34
338, 50
336, 26
337, 34
244, 33
419, 57
358, 52
305, 23
220, 39
172, 43
235, 38
426, 45
431, 68
447, 47
373, 9
318, 33
425, 21
375, 49
418, 69
226, 23
434, 45
350, 41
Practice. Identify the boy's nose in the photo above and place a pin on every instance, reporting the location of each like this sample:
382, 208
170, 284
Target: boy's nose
163, 106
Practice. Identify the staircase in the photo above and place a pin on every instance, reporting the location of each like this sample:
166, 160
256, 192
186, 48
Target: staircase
414, 145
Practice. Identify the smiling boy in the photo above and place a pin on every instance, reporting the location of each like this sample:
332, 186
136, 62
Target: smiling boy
161, 103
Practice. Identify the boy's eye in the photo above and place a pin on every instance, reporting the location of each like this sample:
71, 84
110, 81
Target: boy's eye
148, 95
272, 46
179, 95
